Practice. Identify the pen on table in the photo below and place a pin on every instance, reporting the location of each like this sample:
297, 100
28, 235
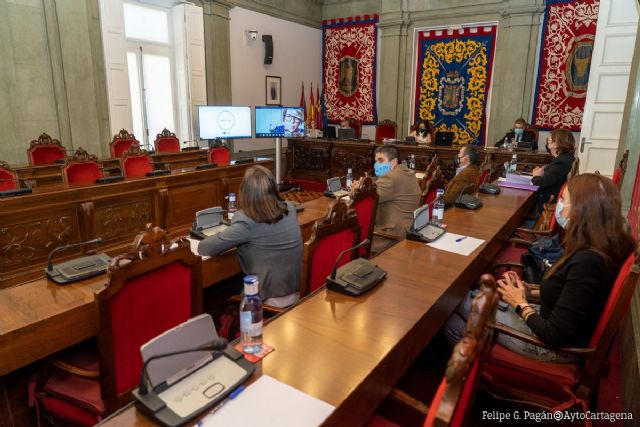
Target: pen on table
231, 396
460, 239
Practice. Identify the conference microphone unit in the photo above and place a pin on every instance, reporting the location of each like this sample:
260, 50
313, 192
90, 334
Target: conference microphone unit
193, 371
14, 191
467, 201
79, 268
355, 277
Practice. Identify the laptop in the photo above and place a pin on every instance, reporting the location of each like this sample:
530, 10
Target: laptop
334, 188
443, 139
208, 223
422, 229
348, 133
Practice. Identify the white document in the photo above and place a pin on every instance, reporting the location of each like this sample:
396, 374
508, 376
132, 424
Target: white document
268, 402
419, 175
194, 247
457, 243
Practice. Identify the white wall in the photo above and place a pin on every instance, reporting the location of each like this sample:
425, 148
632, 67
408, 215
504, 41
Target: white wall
297, 57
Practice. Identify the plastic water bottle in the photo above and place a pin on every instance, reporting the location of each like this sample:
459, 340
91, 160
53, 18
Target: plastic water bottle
513, 165
349, 178
507, 145
438, 207
251, 316
412, 161
231, 210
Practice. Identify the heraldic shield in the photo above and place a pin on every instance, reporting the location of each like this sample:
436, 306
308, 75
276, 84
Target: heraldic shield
348, 75
451, 96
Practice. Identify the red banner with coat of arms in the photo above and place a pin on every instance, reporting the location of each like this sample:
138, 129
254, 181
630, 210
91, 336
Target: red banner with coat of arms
565, 60
349, 53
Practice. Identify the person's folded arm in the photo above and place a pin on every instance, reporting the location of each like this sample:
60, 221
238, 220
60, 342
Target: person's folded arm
238, 233
554, 174
584, 276
384, 186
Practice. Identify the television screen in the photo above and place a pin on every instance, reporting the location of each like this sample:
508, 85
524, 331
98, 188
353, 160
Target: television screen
277, 122
224, 122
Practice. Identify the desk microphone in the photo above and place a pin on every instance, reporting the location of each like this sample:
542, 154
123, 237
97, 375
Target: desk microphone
365, 242
217, 344
65, 247
467, 201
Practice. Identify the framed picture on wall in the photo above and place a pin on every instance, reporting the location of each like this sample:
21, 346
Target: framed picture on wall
273, 90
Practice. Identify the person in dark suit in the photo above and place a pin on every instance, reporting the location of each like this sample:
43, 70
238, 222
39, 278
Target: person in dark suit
523, 138
467, 172
552, 177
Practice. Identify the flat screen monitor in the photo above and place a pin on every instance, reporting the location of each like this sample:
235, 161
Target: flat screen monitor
224, 122
278, 122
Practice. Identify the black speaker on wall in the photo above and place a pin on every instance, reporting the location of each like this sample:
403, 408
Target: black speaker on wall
268, 48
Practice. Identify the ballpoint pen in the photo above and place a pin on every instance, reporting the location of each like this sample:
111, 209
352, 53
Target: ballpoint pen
460, 239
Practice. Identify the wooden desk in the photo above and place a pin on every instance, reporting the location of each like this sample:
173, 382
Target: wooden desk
32, 225
321, 159
350, 352
39, 318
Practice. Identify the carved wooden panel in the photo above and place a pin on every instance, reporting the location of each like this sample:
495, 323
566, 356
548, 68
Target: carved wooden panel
121, 220
30, 241
185, 201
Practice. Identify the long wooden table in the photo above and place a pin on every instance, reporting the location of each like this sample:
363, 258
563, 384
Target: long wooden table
39, 318
32, 225
321, 159
350, 351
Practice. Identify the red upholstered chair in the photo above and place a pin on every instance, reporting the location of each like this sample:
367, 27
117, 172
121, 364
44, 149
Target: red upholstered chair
219, 155
338, 231
431, 186
619, 172
81, 169
121, 143
8, 178
45, 151
560, 386
386, 129
355, 124
150, 290
454, 397
135, 163
365, 203
166, 142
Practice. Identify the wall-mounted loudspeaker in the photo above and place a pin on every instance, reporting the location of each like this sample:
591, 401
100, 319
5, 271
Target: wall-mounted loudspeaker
268, 48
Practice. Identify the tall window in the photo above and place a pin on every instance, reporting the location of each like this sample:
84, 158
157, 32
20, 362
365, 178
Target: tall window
150, 63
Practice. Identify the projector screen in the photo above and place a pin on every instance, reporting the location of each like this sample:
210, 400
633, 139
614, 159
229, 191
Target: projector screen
277, 122
224, 122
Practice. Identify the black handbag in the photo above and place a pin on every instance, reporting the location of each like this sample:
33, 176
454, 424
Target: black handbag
540, 257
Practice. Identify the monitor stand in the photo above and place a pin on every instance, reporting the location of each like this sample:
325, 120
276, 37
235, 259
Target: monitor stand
278, 161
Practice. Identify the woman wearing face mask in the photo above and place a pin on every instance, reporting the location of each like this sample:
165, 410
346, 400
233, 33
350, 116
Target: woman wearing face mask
552, 177
422, 132
574, 291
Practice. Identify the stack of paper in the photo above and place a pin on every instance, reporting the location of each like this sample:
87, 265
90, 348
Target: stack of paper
456, 243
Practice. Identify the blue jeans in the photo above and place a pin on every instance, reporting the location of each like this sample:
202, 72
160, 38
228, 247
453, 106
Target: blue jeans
454, 328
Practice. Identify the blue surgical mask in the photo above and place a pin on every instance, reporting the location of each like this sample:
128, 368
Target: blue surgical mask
562, 221
518, 132
381, 168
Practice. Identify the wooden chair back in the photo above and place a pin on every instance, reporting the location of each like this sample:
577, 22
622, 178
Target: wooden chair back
431, 186
338, 231
619, 172
386, 129
135, 162
82, 169
150, 290
121, 143
575, 168
355, 124
364, 201
454, 398
8, 177
166, 142
45, 151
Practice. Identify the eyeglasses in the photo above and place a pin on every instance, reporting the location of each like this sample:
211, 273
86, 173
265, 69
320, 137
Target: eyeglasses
290, 117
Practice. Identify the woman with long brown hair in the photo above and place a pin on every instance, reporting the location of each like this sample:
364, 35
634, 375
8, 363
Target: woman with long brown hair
265, 229
574, 291
551, 178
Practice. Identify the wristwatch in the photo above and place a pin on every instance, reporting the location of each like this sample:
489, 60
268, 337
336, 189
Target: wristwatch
520, 307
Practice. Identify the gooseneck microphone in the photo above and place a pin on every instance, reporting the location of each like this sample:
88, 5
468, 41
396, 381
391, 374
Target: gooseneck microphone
217, 344
459, 198
365, 242
65, 247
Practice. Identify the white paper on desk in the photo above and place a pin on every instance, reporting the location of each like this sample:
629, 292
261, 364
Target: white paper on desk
448, 243
194, 247
268, 402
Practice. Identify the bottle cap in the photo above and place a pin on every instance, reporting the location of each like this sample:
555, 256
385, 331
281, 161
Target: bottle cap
232, 196
251, 285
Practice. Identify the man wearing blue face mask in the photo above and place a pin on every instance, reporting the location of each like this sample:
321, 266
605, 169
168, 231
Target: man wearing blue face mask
518, 135
398, 193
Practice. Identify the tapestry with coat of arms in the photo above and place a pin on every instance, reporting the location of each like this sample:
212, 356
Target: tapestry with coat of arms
565, 59
453, 80
349, 68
